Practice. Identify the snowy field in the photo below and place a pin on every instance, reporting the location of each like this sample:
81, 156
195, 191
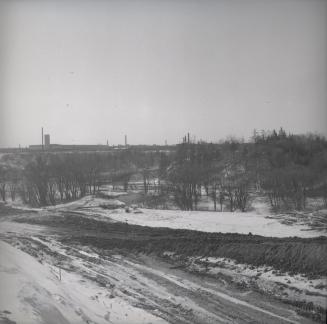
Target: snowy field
259, 221
224, 222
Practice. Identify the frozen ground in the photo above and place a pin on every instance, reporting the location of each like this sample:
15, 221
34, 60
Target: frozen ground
259, 221
31, 292
103, 283
263, 278
224, 222
97, 287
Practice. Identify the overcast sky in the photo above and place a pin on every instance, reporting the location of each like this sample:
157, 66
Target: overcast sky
88, 71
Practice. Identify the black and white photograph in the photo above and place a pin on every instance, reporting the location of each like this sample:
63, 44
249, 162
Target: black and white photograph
163, 161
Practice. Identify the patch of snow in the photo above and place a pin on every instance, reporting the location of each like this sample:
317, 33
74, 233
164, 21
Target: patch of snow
90, 255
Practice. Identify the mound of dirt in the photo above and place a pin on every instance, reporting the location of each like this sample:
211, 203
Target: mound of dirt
298, 255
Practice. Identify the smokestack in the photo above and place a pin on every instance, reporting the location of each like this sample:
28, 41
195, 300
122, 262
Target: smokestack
188, 138
125, 140
42, 138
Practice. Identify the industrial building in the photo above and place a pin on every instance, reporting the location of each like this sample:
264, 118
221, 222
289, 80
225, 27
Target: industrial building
47, 140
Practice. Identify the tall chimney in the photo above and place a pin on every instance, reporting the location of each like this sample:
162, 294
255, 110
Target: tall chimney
42, 138
125, 140
188, 138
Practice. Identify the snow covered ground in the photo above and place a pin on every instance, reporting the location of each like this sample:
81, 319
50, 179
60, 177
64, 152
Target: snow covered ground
120, 290
258, 222
100, 286
224, 222
264, 278
32, 293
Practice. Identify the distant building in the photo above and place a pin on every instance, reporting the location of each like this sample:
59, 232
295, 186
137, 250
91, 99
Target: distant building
47, 140
70, 148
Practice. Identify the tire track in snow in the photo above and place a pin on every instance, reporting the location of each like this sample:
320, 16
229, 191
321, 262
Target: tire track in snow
192, 286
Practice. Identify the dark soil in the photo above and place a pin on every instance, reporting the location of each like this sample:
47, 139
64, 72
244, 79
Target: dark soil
296, 255
9, 211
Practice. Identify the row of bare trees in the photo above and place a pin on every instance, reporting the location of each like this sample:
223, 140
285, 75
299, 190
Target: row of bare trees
9, 181
286, 168
291, 168
50, 178
205, 168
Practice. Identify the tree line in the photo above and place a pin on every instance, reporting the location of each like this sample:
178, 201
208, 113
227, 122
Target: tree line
48, 179
284, 167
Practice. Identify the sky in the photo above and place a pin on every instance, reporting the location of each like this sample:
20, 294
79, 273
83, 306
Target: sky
92, 71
